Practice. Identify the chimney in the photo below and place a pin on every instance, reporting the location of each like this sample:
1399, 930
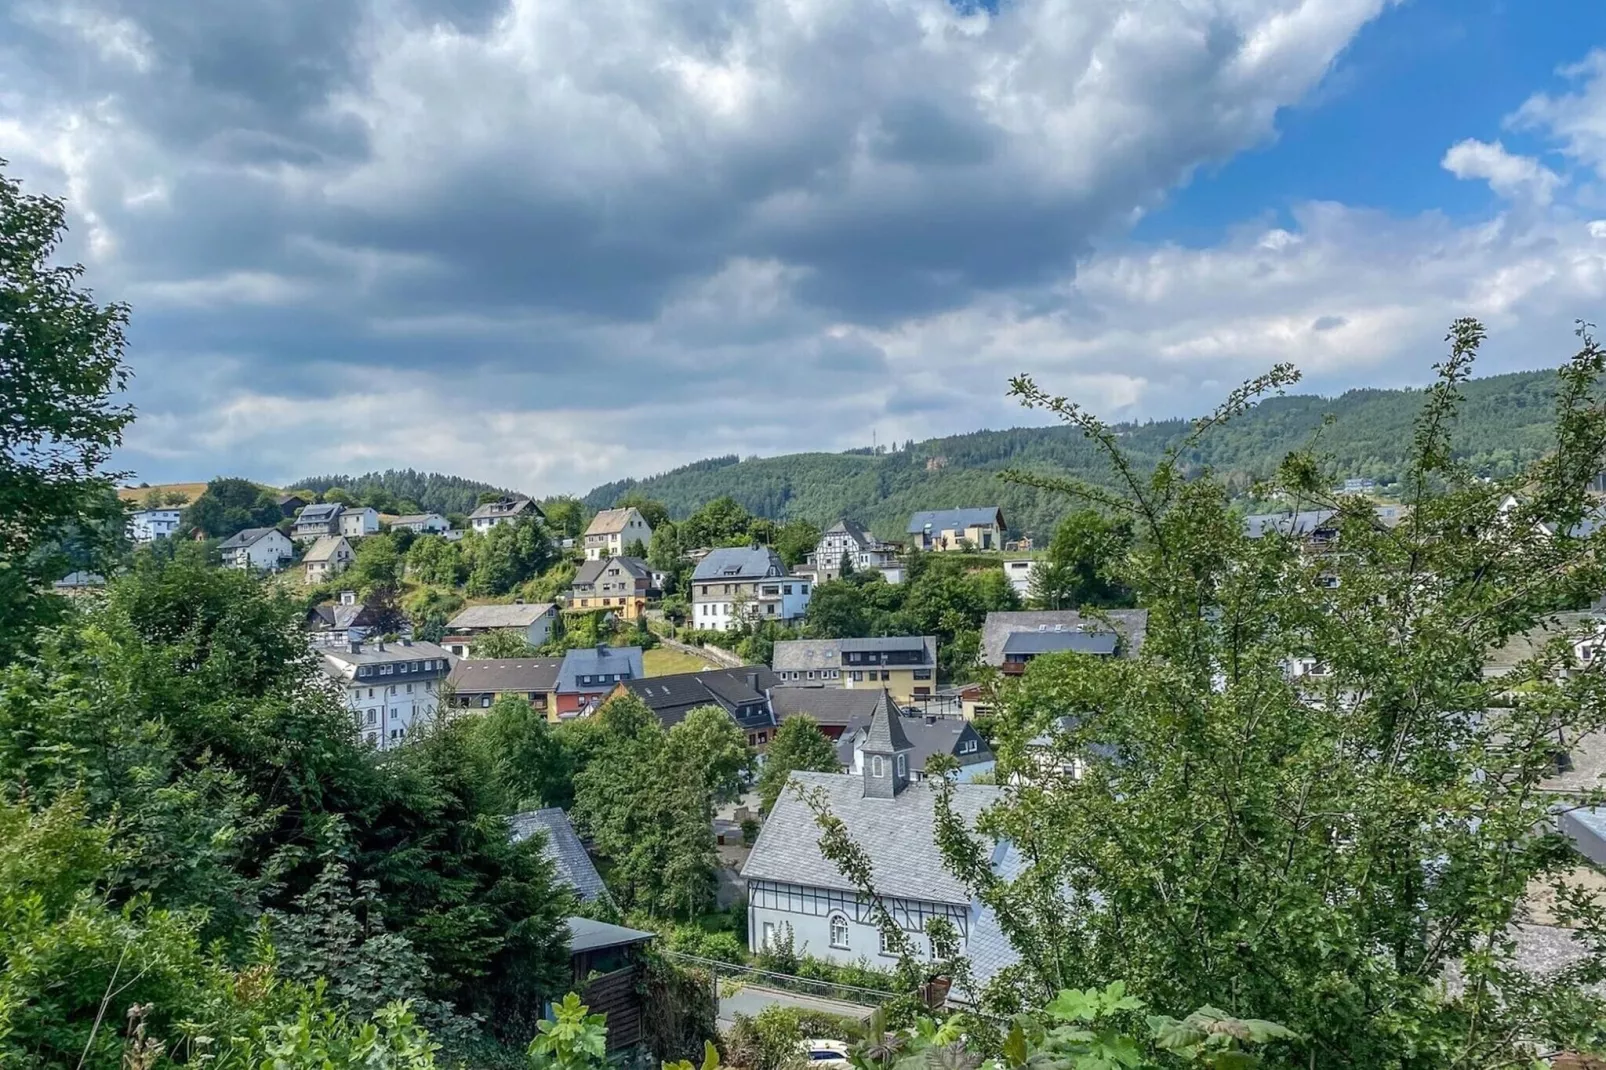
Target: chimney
381, 646
602, 650
354, 646
752, 681
406, 641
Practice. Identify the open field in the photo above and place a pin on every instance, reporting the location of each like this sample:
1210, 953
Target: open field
661, 661
191, 491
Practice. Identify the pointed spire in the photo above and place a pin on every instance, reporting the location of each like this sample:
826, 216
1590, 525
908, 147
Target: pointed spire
886, 751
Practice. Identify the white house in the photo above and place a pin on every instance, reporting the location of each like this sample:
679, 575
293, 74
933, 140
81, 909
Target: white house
503, 511
358, 520
794, 891
148, 525
316, 521
261, 549
391, 689
847, 542
421, 523
613, 530
1019, 573
531, 620
733, 586
329, 556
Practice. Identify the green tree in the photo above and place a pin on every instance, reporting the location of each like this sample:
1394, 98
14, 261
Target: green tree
230, 505
377, 566
1319, 847
708, 741
798, 746
654, 512
796, 540
522, 762
61, 367
432, 559
1086, 551
503, 643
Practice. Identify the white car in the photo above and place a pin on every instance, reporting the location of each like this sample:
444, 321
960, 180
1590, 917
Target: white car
826, 1054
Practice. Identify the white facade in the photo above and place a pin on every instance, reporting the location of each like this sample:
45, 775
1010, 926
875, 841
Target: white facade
835, 926
613, 533
783, 598
391, 692
422, 524
355, 522
266, 554
1019, 573
148, 525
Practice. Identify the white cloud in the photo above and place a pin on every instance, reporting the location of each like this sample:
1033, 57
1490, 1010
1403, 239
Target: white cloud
1576, 120
1513, 177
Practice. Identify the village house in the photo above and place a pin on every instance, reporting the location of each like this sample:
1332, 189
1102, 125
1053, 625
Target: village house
338, 622
316, 521
148, 525
847, 542
359, 520
1011, 640
796, 894
732, 587
531, 620
1019, 573
421, 523
956, 529
503, 511
613, 530
290, 504
928, 737
589, 675
258, 549
616, 584
391, 689
836, 710
607, 969
904, 665
326, 558
476, 683
743, 693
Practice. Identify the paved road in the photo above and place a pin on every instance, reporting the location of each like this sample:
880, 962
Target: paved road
751, 999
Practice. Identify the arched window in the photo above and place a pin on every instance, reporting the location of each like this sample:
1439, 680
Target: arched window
903, 768
839, 931
876, 768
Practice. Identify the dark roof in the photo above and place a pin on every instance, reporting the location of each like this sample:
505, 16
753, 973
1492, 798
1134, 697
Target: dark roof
885, 734
404, 650
505, 507
1305, 522
319, 514
673, 697
510, 615
792, 654
477, 675
738, 563
598, 661
588, 935
954, 519
591, 571
1059, 642
249, 537
286, 499
827, 705
848, 527
562, 847
940, 735
999, 626
878, 644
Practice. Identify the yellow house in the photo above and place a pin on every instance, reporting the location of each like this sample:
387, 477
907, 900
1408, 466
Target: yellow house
618, 585
955, 529
903, 665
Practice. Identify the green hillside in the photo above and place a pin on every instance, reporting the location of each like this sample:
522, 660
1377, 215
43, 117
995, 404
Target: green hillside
1506, 420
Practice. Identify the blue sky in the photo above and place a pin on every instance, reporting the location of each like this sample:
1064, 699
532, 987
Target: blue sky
550, 243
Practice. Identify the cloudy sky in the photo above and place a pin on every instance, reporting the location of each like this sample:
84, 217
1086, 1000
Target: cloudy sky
553, 242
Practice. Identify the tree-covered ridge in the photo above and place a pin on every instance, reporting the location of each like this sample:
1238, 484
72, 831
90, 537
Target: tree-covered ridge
1505, 423
431, 491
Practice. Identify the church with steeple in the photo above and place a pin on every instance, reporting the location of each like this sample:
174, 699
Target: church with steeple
794, 893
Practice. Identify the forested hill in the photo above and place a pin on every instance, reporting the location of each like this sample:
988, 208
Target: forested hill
1506, 420
429, 491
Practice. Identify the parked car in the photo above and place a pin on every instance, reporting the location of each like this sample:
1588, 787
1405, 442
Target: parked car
826, 1054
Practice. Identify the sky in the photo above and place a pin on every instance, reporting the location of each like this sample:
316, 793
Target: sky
551, 243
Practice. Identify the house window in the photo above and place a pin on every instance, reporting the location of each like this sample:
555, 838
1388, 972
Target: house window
415, 666
395, 715
858, 675
409, 689
373, 717
877, 767
485, 702
886, 945
786, 589
903, 766
811, 674
768, 938
370, 692
885, 675
839, 931
967, 746
803, 588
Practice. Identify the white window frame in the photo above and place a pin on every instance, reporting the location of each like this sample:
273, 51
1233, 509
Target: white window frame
903, 766
878, 768
882, 945
838, 922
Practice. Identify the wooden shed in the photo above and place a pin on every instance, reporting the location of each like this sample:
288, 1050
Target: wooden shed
607, 973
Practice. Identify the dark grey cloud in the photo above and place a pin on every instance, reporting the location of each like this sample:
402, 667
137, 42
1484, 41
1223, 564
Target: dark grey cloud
540, 209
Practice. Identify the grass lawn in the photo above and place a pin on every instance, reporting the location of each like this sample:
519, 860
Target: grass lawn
661, 661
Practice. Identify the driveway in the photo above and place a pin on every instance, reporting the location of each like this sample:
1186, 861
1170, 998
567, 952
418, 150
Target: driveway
751, 999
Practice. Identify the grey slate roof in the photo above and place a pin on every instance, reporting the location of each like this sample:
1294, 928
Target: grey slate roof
398, 651
940, 736
852, 530
739, 563
1304, 522
954, 519
506, 507
562, 847
1059, 642
324, 549
827, 705
898, 834
880, 643
598, 661
590, 571
739, 692
241, 539
413, 518
998, 627
885, 734
480, 675
792, 654
511, 616
588, 935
